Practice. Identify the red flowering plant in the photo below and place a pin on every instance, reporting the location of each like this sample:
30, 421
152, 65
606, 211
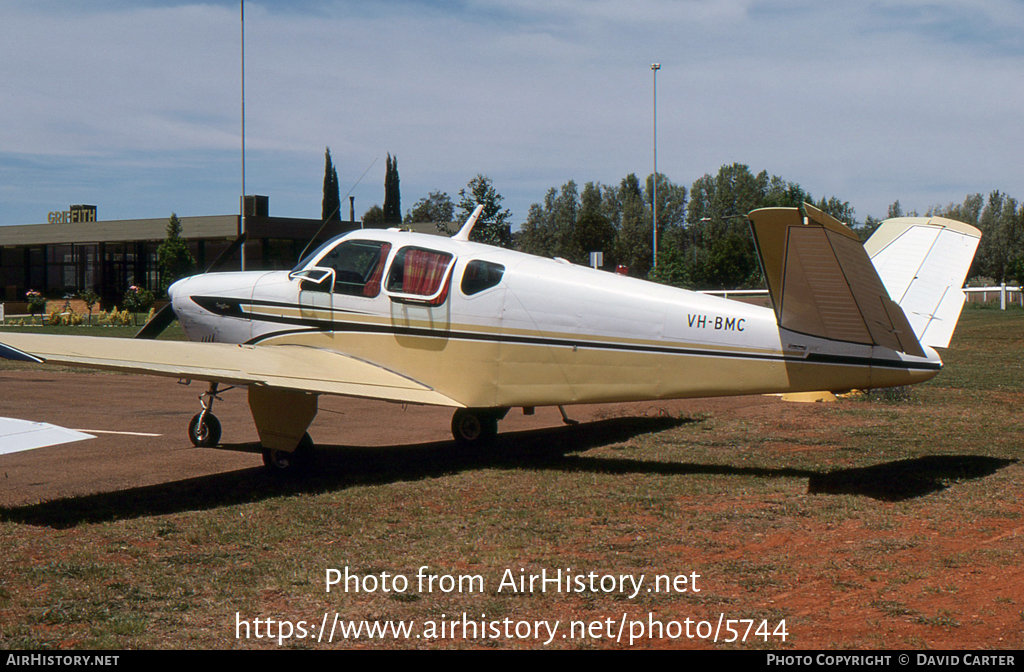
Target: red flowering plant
137, 299
36, 302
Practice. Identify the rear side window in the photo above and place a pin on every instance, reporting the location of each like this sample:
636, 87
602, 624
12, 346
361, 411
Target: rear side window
418, 271
480, 275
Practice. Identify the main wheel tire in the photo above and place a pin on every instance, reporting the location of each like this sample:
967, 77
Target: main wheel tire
204, 430
474, 427
284, 463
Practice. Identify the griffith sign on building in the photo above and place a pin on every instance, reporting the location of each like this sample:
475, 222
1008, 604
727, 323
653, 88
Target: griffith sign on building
76, 213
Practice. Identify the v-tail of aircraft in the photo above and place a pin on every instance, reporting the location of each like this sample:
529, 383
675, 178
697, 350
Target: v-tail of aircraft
413, 318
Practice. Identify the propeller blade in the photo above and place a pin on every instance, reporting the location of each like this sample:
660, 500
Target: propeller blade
223, 257
160, 321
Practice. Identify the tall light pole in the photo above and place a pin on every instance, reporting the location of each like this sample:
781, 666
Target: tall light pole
242, 208
654, 181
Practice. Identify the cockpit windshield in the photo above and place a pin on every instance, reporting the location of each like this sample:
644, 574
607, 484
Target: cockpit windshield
304, 261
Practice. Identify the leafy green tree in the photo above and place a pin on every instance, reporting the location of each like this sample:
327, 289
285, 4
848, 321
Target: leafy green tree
733, 192
173, 257
569, 224
724, 254
782, 194
1001, 250
374, 216
968, 212
628, 208
494, 225
90, 298
671, 207
841, 210
868, 227
435, 207
594, 231
704, 237
392, 196
1000, 255
895, 210
331, 209
548, 231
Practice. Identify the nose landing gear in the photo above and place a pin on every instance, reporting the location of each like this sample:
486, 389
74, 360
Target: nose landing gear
204, 428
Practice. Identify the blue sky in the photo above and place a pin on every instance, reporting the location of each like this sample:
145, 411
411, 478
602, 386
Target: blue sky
134, 106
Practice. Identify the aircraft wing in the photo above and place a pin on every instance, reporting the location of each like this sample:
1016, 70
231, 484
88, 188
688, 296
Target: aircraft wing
290, 367
18, 435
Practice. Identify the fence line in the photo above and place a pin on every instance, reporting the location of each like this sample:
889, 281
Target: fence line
1004, 291
735, 292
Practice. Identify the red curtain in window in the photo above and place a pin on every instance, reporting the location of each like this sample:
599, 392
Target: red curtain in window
423, 271
372, 287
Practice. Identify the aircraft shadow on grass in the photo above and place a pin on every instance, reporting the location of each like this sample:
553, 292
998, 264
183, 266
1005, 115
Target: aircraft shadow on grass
340, 467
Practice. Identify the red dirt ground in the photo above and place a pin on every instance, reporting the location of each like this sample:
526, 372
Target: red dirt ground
95, 401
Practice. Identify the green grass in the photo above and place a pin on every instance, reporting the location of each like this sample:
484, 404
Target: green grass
173, 332
864, 524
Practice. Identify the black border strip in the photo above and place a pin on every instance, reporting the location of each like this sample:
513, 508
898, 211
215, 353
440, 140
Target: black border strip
233, 308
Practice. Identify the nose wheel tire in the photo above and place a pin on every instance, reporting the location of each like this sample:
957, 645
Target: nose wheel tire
204, 430
282, 462
473, 427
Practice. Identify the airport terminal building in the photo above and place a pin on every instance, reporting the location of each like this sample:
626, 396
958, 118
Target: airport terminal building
75, 250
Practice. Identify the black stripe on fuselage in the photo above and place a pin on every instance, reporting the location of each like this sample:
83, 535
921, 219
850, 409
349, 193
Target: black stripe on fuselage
233, 308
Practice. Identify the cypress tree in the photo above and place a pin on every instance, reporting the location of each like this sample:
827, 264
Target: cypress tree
331, 209
392, 198
173, 256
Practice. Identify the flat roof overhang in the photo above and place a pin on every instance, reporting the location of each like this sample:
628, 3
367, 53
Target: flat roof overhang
211, 227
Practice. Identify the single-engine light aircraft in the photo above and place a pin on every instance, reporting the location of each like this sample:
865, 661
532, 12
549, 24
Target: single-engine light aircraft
422, 319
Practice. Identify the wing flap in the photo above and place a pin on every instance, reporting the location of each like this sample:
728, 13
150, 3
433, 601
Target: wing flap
292, 367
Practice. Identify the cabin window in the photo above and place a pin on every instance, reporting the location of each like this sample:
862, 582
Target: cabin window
418, 271
480, 275
358, 266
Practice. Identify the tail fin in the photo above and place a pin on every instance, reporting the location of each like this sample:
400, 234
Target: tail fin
923, 262
822, 282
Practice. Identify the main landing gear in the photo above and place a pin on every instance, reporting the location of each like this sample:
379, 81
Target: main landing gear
204, 428
473, 427
281, 419
283, 463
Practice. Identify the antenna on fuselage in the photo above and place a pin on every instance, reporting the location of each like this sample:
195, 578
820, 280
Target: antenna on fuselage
467, 228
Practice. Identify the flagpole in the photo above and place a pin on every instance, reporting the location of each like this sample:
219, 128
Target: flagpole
242, 206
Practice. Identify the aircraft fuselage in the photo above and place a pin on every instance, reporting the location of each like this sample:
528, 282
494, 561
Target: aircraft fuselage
493, 328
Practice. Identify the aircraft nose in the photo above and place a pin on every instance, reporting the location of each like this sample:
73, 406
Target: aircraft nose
177, 290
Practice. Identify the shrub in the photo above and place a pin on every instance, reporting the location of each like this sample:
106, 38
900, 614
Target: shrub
137, 299
90, 298
36, 302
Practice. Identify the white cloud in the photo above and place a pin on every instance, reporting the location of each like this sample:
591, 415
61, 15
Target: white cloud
868, 101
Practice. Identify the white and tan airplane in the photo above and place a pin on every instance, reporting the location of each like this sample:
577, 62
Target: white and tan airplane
421, 319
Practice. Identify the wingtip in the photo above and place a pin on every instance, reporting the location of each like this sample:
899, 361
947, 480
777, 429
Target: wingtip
15, 355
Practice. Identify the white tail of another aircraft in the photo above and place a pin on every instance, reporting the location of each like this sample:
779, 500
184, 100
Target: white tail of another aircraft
923, 261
